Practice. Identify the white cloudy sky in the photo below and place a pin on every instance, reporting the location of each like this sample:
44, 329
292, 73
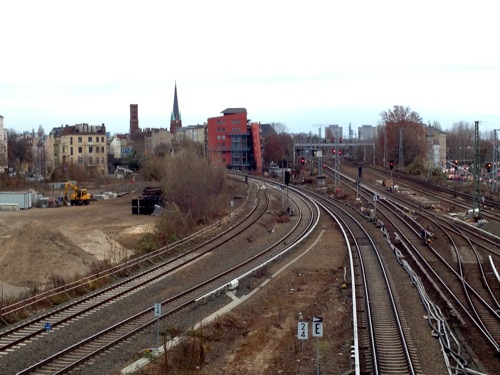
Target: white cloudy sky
301, 63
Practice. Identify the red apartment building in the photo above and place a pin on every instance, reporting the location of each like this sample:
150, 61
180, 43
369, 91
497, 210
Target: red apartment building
234, 142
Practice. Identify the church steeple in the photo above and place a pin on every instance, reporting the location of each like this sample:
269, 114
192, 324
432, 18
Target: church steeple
175, 117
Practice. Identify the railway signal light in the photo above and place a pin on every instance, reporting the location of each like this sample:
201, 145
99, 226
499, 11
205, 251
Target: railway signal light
456, 164
391, 164
302, 160
488, 167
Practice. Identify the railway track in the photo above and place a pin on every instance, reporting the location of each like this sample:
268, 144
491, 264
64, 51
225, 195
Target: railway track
444, 268
383, 340
81, 351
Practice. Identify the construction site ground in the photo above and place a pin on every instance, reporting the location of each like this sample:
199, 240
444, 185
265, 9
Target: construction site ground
38, 245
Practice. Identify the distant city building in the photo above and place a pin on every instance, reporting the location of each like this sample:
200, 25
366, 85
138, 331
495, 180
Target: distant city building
439, 146
120, 146
195, 133
234, 142
153, 138
134, 119
175, 117
3, 147
367, 133
82, 144
333, 133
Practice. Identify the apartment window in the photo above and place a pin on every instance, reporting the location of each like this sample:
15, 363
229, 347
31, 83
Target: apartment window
90, 160
97, 160
102, 139
91, 149
97, 150
97, 139
90, 139
235, 122
102, 149
80, 160
71, 150
70, 140
79, 139
102, 160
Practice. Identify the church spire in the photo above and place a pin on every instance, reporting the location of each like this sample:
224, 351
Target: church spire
175, 118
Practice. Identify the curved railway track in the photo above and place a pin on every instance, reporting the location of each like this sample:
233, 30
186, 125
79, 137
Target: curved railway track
383, 340
477, 305
85, 349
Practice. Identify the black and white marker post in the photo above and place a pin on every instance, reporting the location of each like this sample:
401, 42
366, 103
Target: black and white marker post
317, 327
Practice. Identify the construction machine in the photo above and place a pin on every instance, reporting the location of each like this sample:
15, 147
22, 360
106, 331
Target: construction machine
77, 196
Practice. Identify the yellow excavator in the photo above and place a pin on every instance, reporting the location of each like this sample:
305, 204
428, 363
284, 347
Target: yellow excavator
77, 197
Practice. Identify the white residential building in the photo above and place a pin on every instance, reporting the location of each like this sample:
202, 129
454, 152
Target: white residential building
367, 133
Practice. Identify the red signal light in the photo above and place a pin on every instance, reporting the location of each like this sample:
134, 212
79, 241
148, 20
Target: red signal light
302, 161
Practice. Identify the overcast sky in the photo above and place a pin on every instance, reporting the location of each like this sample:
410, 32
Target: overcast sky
303, 64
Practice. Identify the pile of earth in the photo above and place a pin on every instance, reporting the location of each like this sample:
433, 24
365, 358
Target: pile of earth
38, 253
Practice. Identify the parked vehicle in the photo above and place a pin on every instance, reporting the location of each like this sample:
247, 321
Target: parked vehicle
77, 197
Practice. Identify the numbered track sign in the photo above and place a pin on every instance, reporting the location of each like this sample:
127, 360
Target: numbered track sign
302, 330
157, 310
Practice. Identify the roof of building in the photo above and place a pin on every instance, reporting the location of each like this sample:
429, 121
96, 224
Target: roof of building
78, 129
266, 130
176, 115
232, 111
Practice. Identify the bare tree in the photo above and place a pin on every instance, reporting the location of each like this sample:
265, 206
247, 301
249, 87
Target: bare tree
278, 148
460, 141
19, 150
197, 188
41, 132
279, 127
415, 144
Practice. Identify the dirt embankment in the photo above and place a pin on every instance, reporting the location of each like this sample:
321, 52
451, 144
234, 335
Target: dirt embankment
39, 246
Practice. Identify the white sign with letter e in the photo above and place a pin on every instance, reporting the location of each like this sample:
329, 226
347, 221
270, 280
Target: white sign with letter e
317, 326
302, 330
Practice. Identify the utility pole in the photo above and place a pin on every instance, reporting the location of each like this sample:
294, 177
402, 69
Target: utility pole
400, 150
495, 162
385, 146
476, 204
431, 159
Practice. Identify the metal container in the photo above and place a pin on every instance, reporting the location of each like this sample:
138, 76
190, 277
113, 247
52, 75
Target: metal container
21, 198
